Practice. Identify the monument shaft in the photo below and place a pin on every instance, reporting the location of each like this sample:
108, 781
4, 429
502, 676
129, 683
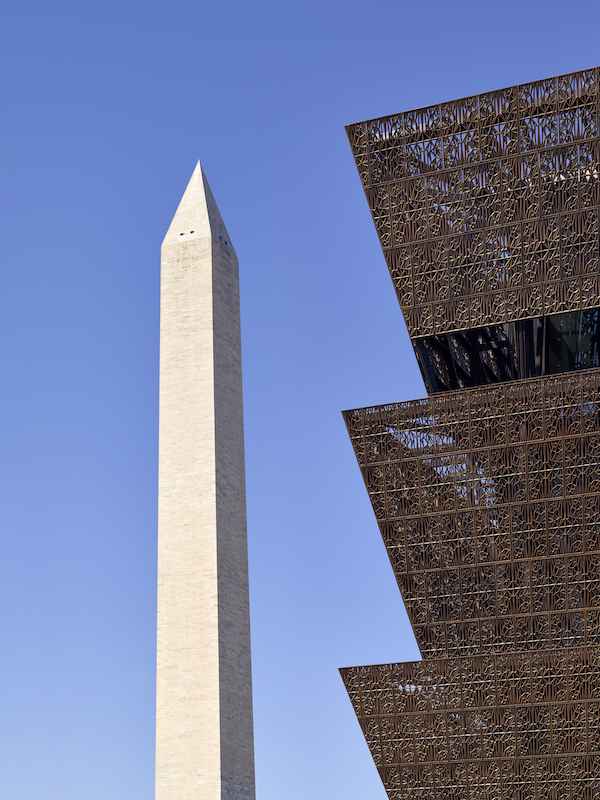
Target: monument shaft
204, 736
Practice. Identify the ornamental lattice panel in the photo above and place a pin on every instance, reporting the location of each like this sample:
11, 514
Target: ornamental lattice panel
488, 495
487, 207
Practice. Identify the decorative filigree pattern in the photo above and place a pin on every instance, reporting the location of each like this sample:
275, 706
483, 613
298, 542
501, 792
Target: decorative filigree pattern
488, 501
488, 497
487, 207
494, 727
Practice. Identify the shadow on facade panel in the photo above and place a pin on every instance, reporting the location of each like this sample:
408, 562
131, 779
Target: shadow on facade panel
487, 493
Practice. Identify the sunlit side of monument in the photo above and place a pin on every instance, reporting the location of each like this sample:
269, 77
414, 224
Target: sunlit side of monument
204, 736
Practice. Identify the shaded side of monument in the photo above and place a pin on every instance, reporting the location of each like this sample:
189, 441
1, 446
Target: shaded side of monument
487, 493
204, 732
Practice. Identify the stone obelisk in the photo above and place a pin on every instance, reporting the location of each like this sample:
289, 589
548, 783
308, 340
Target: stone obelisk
204, 738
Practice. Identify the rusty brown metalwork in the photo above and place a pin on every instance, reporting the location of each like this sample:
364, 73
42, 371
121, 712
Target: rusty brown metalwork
488, 498
487, 207
513, 726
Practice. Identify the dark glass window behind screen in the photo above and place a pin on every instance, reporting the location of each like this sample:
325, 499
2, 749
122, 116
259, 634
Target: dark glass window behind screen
523, 349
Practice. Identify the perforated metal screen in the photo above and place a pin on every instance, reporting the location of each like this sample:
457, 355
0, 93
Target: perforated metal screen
488, 498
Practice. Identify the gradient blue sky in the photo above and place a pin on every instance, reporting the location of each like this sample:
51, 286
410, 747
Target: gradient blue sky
106, 108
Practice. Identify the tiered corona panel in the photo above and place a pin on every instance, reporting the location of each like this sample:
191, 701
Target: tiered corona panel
495, 727
487, 207
488, 500
488, 493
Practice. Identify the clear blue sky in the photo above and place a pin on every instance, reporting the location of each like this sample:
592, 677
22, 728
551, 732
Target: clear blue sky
106, 108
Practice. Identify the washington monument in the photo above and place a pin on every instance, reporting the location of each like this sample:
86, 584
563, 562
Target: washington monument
204, 738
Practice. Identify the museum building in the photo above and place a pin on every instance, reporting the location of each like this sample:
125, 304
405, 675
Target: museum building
487, 493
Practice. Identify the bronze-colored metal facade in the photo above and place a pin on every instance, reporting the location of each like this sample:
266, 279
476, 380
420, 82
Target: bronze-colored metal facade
488, 495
